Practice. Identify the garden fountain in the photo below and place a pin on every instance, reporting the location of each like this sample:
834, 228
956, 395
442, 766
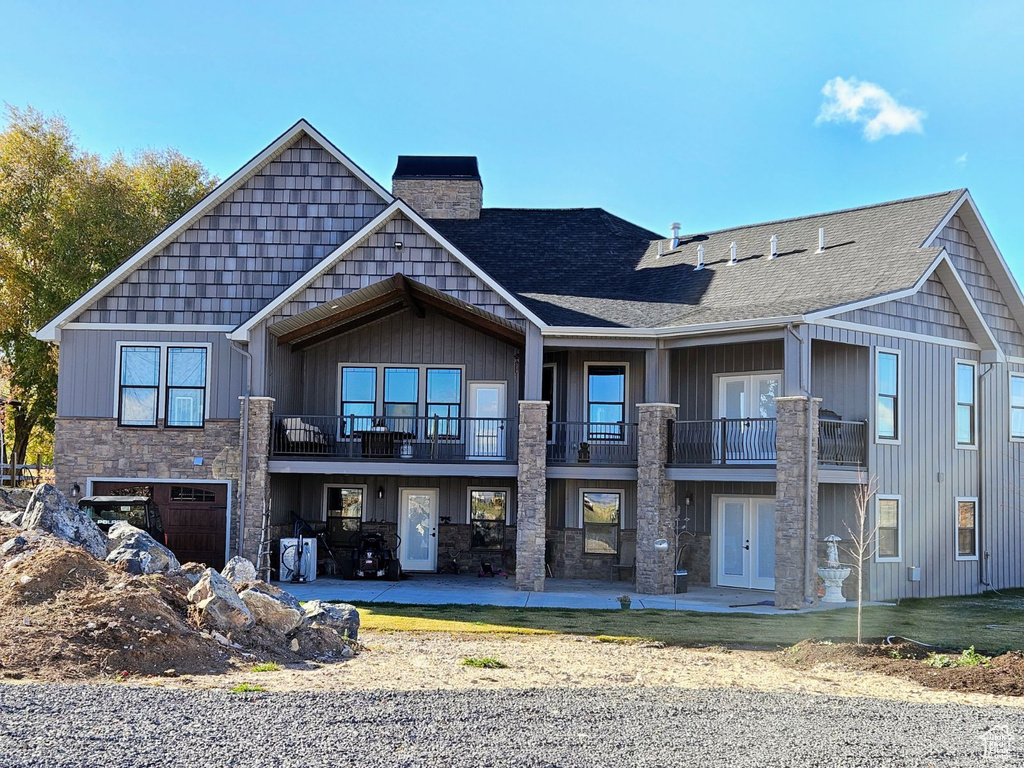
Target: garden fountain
833, 574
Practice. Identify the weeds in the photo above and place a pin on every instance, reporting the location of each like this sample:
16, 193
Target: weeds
267, 666
248, 688
969, 658
487, 662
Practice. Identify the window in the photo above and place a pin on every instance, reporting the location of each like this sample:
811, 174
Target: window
606, 401
487, 510
344, 512
602, 512
966, 384
1017, 406
138, 393
887, 413
967, 528
547, 393
358, 398
887, 518
444, 394
186, 386
401, 394
188, 493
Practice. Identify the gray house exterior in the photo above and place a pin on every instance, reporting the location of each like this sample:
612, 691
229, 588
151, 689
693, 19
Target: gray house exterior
556, 390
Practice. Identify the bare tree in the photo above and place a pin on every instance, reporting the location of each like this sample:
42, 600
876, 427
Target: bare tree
864, 540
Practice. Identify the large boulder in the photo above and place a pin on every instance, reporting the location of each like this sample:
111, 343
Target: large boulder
11, 511
192, 571
239, 570
272, 607
51, 511
219, 604
341, 617
140, 552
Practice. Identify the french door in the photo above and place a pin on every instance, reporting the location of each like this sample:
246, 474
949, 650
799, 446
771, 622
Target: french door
746, 418
746, 542
487, 430
417, 525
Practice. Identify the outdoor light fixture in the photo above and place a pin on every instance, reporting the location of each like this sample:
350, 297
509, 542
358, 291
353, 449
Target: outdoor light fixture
75, 490
399, 245
380, 491
688, 500
661, 545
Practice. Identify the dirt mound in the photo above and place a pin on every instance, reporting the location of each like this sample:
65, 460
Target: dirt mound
67, 616
1002, 675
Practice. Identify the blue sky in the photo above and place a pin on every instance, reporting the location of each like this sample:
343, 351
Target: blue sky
704, 113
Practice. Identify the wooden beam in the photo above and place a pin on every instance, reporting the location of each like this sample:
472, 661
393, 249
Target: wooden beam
339, 317
473, 320
406, 290
350, 325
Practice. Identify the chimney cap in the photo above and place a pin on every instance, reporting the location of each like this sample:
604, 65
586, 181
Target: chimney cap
437, 167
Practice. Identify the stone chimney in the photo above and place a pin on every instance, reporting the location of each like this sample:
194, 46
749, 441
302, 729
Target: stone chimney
439, 187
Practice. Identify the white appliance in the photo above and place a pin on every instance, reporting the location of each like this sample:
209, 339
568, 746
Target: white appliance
290, 559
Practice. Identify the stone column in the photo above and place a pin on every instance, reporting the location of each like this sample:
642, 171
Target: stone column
531, 511
795, 416
257, 475
655, 501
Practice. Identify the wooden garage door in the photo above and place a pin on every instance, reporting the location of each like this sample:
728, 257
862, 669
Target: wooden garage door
194, 516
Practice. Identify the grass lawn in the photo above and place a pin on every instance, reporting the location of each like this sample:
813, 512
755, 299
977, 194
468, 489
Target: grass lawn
991, 623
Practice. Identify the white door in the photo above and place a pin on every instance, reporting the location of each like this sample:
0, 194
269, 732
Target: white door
487, 428
746, 543
417, 525
746, 406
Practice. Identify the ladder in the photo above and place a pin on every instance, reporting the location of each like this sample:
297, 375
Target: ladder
263, 554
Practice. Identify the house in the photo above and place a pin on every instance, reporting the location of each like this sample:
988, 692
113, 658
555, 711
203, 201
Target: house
556, 390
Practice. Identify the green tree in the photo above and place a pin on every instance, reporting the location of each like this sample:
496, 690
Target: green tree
67, 218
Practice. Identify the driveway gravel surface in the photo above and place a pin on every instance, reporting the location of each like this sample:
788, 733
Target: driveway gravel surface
117, 726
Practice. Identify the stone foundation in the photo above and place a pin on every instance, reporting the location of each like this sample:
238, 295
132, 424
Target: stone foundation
257, 484
531, 515
655, 501
568, 560
696, 558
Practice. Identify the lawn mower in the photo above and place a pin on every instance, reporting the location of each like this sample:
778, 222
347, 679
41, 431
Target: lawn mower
373, 558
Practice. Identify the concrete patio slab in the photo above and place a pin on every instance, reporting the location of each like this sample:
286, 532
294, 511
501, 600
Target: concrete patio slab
468, 589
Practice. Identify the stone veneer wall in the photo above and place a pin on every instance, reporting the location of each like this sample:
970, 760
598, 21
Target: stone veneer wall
441, 198
655, 501
568, 561
100, 449
696, 558
257, 485
791, 534
531, 513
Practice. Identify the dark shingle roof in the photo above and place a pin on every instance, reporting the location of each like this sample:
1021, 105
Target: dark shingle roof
586, 267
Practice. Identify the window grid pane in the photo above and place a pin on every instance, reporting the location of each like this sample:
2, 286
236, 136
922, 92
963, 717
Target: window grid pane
965, 423
139, 386
186, 386
887, 396
966, 523
487, 510
888, 522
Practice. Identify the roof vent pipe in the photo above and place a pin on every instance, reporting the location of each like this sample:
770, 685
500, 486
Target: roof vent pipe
675, 233
775, 247
659, 250
732, 253
821, 239
700, 256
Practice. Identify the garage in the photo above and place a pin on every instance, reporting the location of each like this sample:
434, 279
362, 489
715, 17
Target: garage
194, 515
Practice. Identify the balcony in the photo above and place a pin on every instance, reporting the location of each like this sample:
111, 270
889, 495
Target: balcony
420, 439
751, 442
583, 443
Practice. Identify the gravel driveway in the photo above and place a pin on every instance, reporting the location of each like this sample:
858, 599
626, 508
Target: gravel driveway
113, 726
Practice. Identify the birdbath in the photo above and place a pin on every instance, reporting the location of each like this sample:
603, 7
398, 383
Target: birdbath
833, 574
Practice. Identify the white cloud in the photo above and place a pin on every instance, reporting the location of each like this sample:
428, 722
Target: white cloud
962, 160
869, 104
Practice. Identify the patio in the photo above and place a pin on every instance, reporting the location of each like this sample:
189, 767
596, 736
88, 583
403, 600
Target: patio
468, 589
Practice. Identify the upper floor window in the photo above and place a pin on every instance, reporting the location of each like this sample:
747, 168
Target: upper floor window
887, 388
602, 513
966, 412
1017, 406
139, 387
186, 386
444, 396
401, 392
358, 398
606, 401
887, 518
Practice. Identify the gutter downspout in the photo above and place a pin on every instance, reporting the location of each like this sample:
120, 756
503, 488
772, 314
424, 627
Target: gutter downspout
245, 439
982, 553
808, 511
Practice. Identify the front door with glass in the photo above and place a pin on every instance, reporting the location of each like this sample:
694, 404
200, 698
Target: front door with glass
417, 525
746, 542
746, 418
487, 430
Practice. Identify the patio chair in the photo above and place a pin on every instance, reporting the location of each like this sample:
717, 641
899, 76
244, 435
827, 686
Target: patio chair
627, 562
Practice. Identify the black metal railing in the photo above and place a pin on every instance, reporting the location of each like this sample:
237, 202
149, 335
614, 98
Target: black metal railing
581, 442
394, 438
710, 442
843, 443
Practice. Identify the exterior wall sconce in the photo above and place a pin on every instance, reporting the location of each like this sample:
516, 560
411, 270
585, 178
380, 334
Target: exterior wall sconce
380, 491
75, 490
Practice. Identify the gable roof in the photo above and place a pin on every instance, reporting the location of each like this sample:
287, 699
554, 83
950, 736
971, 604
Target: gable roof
51, 331
586, 268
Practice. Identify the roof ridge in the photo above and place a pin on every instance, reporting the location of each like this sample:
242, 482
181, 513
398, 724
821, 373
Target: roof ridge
900, 201
543, 210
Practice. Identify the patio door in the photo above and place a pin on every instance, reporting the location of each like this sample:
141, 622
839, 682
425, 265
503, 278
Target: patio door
417, 525
746, 542
487, 429
746, 407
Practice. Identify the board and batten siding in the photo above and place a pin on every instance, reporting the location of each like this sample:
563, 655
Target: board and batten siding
929, 472
841, 377
400, 339
86, 381
563, 501
693, 371
300, 206
571, 382
700, 512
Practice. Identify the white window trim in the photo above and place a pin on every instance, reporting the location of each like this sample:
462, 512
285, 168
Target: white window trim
956, 529
421, 384
900, 510
490, 489
327, 486
554, 395
972, 446
626, 405
622, 504
161, 394
1009, 400
898, 440
717, 378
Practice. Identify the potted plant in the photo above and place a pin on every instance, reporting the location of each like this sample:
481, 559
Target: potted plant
624, 602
